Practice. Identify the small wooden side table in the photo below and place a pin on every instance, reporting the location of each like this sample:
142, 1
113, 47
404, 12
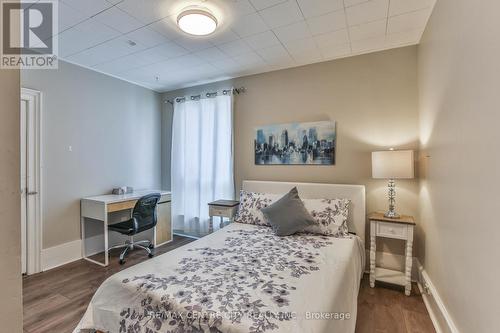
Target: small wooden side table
222, 208
401, 228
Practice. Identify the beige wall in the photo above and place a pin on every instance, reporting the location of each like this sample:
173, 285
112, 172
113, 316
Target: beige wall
372, 97
10, 208
459, 71
114, 130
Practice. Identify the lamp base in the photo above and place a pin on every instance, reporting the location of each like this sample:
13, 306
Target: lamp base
392, 215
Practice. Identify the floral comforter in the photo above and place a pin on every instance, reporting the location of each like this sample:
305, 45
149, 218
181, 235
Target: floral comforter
242, 278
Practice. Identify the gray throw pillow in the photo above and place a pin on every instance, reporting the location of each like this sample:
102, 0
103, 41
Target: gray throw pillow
288, 214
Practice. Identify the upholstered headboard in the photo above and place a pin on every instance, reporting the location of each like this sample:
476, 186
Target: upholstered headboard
355, 193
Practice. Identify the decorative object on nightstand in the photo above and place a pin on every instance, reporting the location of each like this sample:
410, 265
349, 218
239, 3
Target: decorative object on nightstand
222, 208
393, 164
400, 228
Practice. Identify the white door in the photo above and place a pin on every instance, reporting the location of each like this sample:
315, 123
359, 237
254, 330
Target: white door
24, 236
30, 181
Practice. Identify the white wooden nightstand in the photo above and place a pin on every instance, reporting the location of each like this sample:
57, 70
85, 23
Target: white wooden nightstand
222, 208
401, 228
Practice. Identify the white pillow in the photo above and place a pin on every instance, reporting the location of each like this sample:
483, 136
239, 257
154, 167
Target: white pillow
250, 205
330, 216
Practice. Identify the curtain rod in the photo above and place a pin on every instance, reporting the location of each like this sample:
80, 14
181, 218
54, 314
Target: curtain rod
236, 91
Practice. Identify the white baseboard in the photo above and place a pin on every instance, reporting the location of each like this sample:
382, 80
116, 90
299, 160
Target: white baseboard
68, 252
61, 254
437, 311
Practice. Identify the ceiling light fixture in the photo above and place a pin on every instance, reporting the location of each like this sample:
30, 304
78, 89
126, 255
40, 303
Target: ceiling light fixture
197, 21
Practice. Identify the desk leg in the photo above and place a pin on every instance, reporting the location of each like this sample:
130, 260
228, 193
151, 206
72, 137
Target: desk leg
221, 225
106, 240
84, 250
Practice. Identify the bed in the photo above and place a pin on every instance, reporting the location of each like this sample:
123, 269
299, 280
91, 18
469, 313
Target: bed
243, 278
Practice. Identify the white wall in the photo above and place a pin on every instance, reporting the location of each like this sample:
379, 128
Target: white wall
114, 129
459, 73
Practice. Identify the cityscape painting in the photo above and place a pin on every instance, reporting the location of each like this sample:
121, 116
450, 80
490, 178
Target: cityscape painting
296, 144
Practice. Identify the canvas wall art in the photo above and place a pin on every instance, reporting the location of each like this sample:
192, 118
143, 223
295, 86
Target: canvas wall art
296, 144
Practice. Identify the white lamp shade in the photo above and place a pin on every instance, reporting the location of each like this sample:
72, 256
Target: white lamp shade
393, 164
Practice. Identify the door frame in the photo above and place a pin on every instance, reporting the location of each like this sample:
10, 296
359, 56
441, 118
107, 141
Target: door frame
34, 225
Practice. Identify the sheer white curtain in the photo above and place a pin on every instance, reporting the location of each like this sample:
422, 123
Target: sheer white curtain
202, 160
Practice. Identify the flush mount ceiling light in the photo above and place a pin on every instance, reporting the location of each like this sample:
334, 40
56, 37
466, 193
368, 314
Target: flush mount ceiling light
198, 22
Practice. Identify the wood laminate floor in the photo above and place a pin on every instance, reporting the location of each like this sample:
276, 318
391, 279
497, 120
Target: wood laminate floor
54, 301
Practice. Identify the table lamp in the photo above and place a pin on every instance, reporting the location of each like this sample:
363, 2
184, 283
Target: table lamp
393, 164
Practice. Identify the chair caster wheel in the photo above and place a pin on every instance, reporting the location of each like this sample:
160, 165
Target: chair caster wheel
122, 261
151, 246
151, 255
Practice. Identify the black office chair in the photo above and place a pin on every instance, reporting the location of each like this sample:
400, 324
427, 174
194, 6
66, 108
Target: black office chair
144, 217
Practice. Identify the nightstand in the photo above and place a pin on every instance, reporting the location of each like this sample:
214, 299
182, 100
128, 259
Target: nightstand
222, 208
401, 228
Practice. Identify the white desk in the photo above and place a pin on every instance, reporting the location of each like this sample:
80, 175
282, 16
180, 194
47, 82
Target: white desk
98, 207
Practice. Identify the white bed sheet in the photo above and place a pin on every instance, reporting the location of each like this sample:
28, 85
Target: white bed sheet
310, 281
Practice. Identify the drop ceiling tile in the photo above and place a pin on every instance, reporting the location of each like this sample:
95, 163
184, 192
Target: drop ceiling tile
105, 52
262, 40
178, 60
366, 12
123, 64
368, 45
249, 59
193, 43
326, 23
69, 16
88, 7
196, 73
249, 25
223, 65
167, 27
311, 8
186, 61
141, 74
223, 36
212, 54
147, 37
308, 57
404, 38
299, 30
118, 20
84, 35
239, 7
282, 14
397, 7
261, 4
332, 38
334, 51
409, 21
368, 30
147, 11
350, 3
235, 48
302, 49
150, 56
68, 44
274, 53
169, 50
